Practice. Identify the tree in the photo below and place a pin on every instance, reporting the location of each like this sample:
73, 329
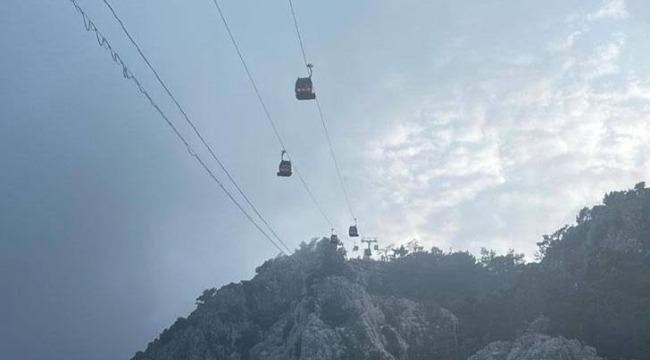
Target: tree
436, 251
583, 216
401, 252
639, 186
549, 240
487, 256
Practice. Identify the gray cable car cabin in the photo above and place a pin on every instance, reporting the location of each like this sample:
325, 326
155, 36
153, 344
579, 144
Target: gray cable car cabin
304, 86
367, 253
334, 239
305, 89
355, 248
354, 232
284, 169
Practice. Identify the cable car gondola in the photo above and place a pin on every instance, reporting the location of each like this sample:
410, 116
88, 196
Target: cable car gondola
285, 166
304, 86
367, 253
334, 239
354, 232
355, 248
376, 247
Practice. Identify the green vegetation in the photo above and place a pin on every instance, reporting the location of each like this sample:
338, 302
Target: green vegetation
592, 281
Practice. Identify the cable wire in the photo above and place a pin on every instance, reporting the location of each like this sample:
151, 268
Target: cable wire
336, 163
320, 114
127, 74
196, 131
295, 23
267, 113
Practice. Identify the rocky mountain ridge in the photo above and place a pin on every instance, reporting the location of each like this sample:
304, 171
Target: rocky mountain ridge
592, 284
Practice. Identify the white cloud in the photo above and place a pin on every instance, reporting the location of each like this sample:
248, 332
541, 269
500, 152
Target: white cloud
579, 24
567, 42
610, 9
604, 60
505, 157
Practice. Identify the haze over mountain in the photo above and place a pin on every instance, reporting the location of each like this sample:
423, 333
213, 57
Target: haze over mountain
461, 124
591, 286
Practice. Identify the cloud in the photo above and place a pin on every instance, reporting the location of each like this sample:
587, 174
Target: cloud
515, 152
604, 60
610, 9
567, 42
579, 24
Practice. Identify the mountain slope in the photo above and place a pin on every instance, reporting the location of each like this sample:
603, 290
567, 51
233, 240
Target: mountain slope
536, 347
290, 310
592, 282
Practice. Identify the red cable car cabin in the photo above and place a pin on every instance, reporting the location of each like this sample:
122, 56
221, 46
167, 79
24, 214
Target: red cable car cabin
304, 86
305, 89
354, 232
284, 169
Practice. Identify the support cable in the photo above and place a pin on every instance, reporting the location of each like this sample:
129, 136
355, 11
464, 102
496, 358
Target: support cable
128, 75
267, 113
196, 131
320, 114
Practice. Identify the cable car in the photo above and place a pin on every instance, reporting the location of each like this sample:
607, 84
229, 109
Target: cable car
334, 239
355, 248
376, 247
367, 253
285, 166
304, 86
354, 232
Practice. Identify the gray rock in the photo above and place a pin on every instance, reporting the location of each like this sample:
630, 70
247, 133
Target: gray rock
319, 310
537, 347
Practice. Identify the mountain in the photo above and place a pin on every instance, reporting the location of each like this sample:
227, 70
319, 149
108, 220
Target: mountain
591, 284
313, 305
537, 347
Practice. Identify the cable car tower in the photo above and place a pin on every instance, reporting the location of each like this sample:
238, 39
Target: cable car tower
384, 253
367, 253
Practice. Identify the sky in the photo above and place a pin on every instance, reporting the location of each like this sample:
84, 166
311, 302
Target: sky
461, 124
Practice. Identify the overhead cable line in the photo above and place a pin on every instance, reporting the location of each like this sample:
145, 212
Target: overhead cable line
127, 74
336, 163
295, 23
320, 114
267, 113
187, 119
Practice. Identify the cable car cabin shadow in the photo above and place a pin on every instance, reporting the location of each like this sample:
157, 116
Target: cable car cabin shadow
284, 169
305, 89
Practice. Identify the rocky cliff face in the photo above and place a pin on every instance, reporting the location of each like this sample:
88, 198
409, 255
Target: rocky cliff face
592, 284
314, 308
536, 347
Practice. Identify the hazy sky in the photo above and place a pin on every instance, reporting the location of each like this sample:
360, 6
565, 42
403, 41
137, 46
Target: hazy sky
463, 124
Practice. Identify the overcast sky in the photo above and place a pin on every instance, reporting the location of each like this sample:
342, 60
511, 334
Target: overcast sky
462, 124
